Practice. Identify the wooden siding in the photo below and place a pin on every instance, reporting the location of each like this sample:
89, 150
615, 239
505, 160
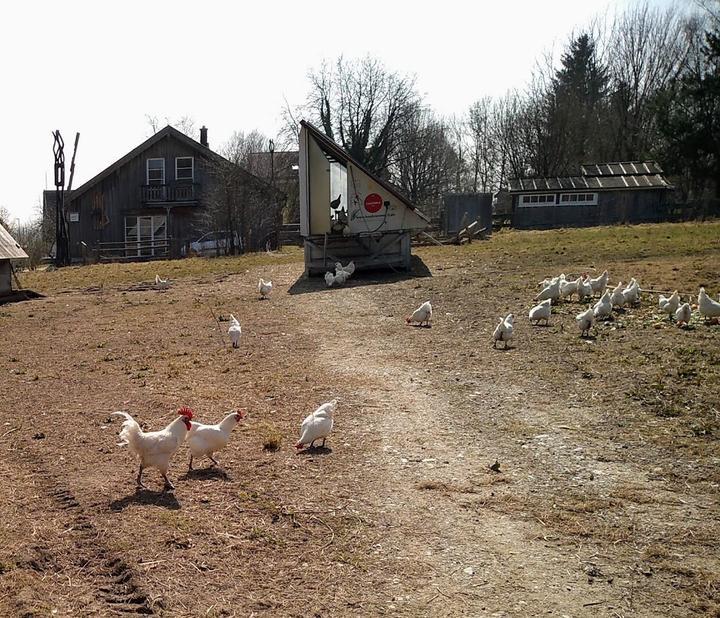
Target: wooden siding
632, 206
102, 208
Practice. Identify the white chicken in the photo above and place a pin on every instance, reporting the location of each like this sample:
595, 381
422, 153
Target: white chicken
329, 279
599, 283
204, 440
504, 330
317, 425
568, 288
552, 291
349, 269
541, 311
683, 314
708, 307
585, 320
616, 298
264, 287
669, 304
154, 449
341, 277
161, 283
421, 315
234, 331
603, 307
584, 290
631, 294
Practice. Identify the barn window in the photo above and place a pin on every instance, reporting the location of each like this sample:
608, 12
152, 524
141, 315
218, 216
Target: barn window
184, 168
537, 200
156, 171
585, 199
146, 235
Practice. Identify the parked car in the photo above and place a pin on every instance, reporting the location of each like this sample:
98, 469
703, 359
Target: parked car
213, 243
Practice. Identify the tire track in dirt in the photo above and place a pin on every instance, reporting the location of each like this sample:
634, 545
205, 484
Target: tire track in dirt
104, 574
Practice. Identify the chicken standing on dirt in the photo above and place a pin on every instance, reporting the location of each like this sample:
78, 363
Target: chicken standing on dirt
264, 287
709, 308
317, 425
504, 330
421, 315
204, 440
154, 449
585, 321
541, 312
234, 331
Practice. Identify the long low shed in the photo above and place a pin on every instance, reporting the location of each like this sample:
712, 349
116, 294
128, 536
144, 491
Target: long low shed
604, 194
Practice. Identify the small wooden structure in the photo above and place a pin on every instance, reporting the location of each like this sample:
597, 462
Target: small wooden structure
9, 250
603, 194
348, 213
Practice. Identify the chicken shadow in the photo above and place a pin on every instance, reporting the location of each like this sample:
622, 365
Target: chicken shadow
315, 450
146, 497
211, 472
374, 276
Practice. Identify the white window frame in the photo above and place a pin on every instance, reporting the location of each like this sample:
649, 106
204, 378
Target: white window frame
139, 251
540, 199
147, 170
588, 199
192, 168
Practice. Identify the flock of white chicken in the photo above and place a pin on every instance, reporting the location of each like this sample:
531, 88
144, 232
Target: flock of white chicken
561, 288
341, 274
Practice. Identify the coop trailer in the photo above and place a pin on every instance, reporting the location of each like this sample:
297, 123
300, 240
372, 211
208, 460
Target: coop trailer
9, 250
347, 213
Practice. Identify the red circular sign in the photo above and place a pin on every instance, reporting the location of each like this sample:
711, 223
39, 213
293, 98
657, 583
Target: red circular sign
373, 202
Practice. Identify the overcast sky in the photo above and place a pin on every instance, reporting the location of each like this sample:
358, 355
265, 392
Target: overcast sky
101, 68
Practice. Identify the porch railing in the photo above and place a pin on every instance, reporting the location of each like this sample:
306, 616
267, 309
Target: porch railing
185, 192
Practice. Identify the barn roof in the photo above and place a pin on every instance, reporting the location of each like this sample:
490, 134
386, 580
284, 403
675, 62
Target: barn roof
167, 131
624, 168
340, 155
9, 248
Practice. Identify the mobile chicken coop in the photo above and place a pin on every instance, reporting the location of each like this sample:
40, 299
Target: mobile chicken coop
348, 213
9, 250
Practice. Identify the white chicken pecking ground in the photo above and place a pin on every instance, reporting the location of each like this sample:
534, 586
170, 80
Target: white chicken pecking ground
683, 314
264, 287
422, 315
541, 312
504, 330
234, 330
204, 440
317, 425
161, 283
154, 449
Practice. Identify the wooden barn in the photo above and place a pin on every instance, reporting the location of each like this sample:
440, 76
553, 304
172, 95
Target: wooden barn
348, 213
603, 194
152, 202
9, 250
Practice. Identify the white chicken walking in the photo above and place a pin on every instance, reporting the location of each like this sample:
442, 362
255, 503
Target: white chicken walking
552, 291
631, 294
603, 307
599, 283
504, 330
264, 287
683, 314
541, 312
585, 320
317, 425
154, 449
708, 307
329, 279
234, 331
421, 315
204, 440
669, 304
616, 298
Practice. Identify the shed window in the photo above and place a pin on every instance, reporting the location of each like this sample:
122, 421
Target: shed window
537, 200
156, 171
184, 168
585, 199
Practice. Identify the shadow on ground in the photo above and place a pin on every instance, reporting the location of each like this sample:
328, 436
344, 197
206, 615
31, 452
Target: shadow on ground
375, 276
148, 497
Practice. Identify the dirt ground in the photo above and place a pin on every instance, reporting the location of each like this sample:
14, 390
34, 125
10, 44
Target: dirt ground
606, 498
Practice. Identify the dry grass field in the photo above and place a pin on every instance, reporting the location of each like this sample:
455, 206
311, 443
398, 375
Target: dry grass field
606, 498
